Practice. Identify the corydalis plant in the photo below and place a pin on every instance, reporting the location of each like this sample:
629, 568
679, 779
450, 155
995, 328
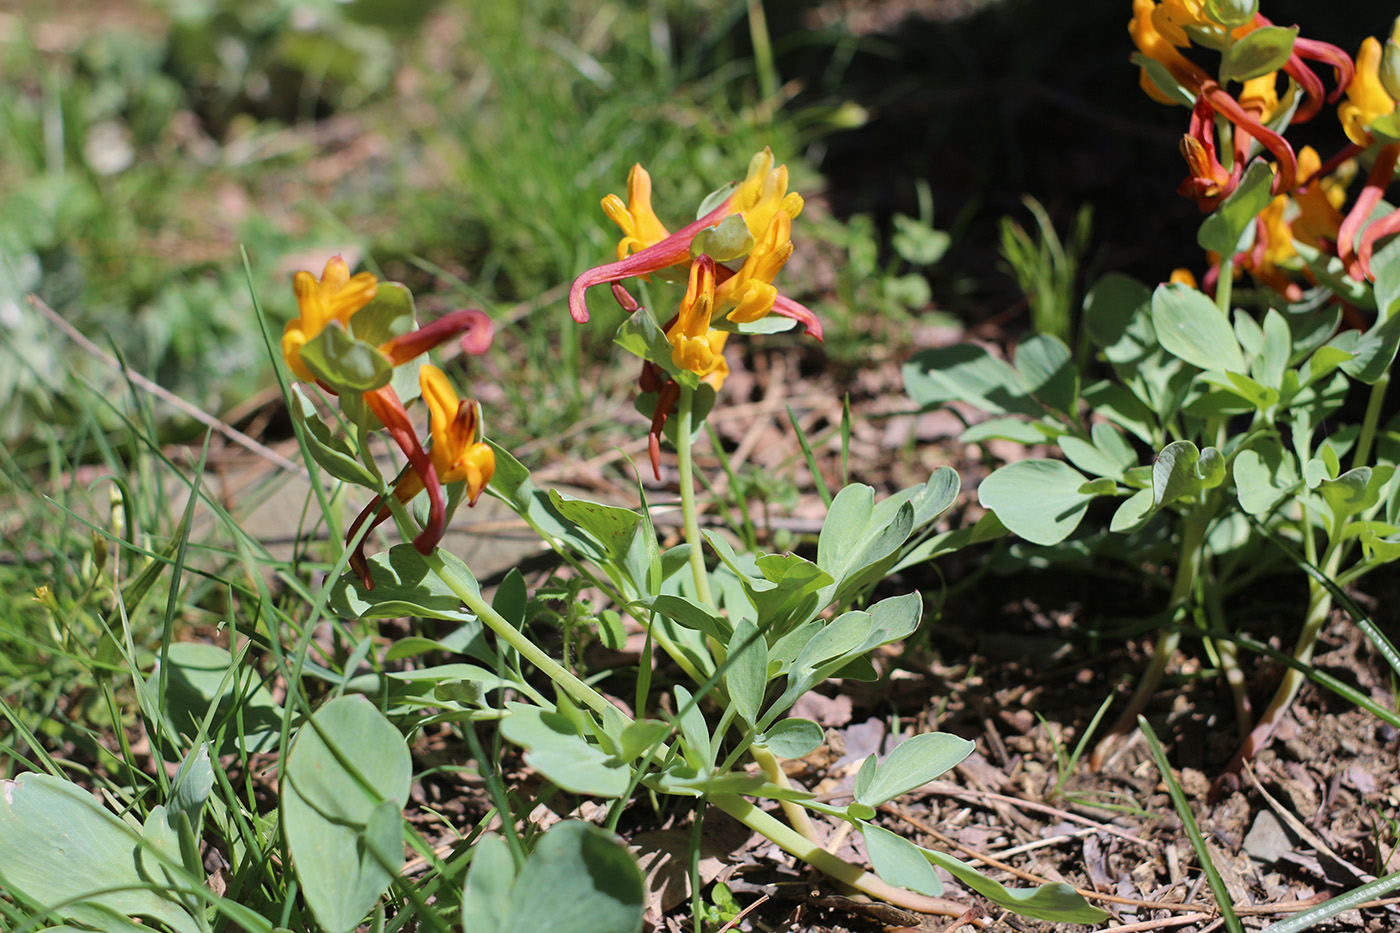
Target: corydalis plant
354, 338
728, 257
1238, 411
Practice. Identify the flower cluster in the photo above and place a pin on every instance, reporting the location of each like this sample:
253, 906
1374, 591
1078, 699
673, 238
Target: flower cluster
318, 346
1278, 88
728, 259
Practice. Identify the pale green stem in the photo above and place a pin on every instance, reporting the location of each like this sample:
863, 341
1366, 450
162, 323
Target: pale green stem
1224, 283
1229, 660
795, 844
684, 408
647, 622
794, 811
1193, 533
763, 57
1369, 421
565, 679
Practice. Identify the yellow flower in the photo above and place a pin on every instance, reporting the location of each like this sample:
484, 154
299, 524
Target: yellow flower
719, 369
763, 193
694, 345
458, 453
750, 291
1259, 96
639, 223
1155, 45
336, 297
647, 248
1183, 276
1366, 96
1319, 204
1278, 233
1171, 17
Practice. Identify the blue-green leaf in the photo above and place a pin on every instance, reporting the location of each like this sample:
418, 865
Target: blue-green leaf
343, 765
899, 862
792, 737
1040, 500
1257, 53
913, 763
1047, 371
968, 373
1191, 328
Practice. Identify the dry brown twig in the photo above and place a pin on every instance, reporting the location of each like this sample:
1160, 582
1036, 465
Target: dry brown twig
160, 392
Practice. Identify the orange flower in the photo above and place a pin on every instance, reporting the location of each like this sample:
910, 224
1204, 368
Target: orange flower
640, 226
458, 454
692, 346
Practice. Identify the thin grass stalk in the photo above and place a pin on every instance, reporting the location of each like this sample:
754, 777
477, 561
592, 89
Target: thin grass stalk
1193, 832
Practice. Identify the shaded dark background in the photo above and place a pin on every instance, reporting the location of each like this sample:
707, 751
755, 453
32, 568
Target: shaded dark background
989, 101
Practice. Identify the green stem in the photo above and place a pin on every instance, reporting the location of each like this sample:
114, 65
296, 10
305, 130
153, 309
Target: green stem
1369, 421
1224, 283
565, 679
763, 56
684, 409
1229, 657
647, 621
1193, 533
796, 814
793, 843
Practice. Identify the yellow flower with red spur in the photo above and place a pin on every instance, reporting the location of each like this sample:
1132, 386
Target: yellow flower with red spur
1201, 86
1367, 99
640, 226
1158, 45
1209, 182
336, 296
691, 345
757, 199
748, 295
457, 455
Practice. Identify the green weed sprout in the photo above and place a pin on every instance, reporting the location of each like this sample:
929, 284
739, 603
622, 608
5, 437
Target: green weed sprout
1238, 407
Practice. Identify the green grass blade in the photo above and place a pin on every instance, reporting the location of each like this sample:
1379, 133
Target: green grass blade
1193, 832
811, 460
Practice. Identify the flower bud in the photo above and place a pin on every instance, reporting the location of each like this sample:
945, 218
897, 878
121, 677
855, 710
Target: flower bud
1390, 62
43, 595
1232, 12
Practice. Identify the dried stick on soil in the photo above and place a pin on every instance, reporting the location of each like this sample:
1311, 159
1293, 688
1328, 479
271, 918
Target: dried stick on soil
160, 392
1302, 830
979, 797
1164, 923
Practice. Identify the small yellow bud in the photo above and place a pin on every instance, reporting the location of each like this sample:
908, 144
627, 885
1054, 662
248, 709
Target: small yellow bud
44, 597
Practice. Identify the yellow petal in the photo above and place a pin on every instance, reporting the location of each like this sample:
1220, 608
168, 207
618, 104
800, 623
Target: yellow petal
442, 403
